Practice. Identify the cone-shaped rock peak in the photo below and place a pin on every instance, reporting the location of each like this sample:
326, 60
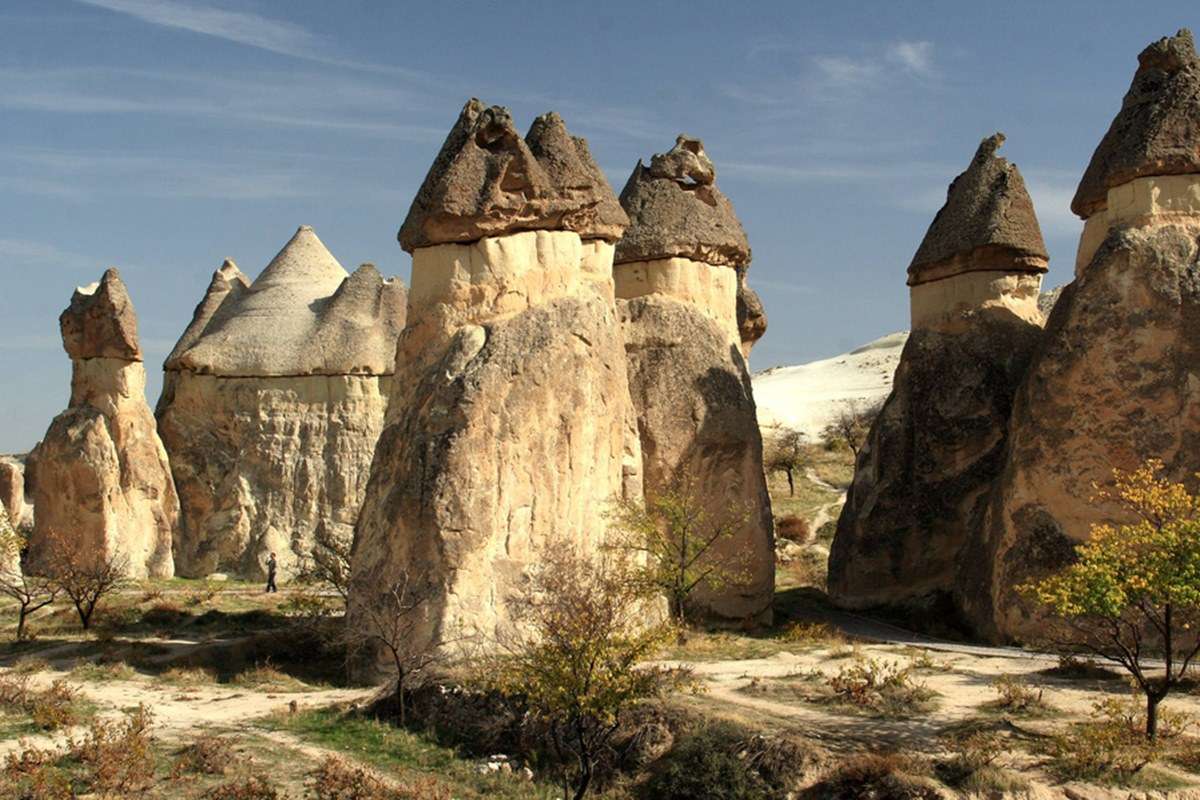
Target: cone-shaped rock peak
488, 181
100, 322
676, 210
1157, 130
987, 223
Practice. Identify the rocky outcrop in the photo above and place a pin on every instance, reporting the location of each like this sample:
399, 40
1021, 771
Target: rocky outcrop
684, 339
101, 483
510, 428
273, 400
922, 479
1113, 381
12, 492
751, 316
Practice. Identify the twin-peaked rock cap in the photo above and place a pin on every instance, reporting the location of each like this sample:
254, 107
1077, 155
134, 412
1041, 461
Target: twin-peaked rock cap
100, 322
987, 223
304, 315
1157, 130
488, 181
676, 210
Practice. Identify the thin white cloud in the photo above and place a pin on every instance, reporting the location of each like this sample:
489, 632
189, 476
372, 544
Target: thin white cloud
832, 172
244, 28
25, 252
916, 57
840, 72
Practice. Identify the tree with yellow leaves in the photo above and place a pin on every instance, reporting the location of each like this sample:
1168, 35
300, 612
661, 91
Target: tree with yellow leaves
1133, 594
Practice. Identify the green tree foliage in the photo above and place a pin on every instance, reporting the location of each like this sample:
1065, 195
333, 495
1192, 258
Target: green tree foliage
1133, 594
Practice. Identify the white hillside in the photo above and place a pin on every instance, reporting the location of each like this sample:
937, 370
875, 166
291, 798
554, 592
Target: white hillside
807, 396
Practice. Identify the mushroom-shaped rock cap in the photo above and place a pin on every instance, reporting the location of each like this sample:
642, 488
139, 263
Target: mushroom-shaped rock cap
488, 181
987, 223
100, 322
1157, 130
676, 210
302, 316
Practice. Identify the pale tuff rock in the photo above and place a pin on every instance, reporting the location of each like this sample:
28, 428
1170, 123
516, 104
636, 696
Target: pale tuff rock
272, 402
510, 429
487, 181
684, 342
1113, 380
304, 315
676, 210
12, 492
100, 479
922, 478
1157, 129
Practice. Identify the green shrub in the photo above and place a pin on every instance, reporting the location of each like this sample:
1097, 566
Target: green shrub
1111, 746
706, 765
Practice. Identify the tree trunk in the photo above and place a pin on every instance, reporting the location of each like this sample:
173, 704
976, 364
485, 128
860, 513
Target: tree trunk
24, 612
791, 484
1152, 701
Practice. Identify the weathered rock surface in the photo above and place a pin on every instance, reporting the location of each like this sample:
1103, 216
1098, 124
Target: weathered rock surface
682, 213
510, 427
272, 403
101, 482
922, 479
986, 224
1157, 129
488, 181
12, 492
1114, 380
685, 325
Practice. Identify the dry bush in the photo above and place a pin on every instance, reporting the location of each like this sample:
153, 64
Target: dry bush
334, 779
1016, 696
792, 528
881, 776
783, 763
29, 665
1113, 744
1071, 667
883, 687
254, 787
188, 676
207, 754
972, 754
202, 595
50, 709
266, 677
812, 633
53, 708
152, 595
118, 754
33, 774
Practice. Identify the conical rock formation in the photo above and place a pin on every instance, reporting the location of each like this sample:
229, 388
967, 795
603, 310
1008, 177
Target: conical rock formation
921, 482
1113, 381
101, 483
684, 339
510, 428
273, 400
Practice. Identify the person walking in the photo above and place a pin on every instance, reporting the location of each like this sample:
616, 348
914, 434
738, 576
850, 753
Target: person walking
271, 568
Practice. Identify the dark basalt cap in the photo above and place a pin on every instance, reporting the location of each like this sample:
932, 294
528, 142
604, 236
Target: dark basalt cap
987, 223
676, 210
100, 322
1157, 130
488, 181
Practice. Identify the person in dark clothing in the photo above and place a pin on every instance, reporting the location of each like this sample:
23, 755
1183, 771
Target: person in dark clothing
271, 567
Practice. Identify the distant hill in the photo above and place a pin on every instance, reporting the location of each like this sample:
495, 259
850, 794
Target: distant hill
806, 397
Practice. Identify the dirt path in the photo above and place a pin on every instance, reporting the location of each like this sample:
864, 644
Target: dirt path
824, 513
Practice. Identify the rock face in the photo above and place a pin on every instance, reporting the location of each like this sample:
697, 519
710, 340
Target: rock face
273, 400
684, 339
101, 481
510, 428
1113, 381
12, 492
922, 478
751, 316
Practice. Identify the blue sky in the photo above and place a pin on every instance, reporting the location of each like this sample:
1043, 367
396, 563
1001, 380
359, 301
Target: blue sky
161, 136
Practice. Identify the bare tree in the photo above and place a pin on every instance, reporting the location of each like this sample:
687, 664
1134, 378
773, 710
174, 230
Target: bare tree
786, 453
30, 592
86, 577
392, 624
851, 424
329, 563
